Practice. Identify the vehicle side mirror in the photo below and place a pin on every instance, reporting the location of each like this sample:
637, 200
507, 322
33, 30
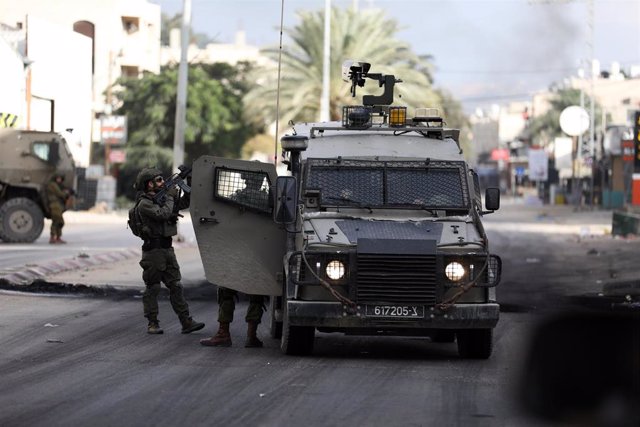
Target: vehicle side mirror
286, 200
492, 199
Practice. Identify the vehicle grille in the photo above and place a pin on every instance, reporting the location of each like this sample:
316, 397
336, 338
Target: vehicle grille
396, 279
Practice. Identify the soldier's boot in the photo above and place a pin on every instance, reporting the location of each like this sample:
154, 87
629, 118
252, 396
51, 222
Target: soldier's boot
59, 240
53, 239
189, 325
252, 335
221, 339
154, 326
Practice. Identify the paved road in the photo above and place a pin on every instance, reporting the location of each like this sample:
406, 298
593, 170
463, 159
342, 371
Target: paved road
75, 361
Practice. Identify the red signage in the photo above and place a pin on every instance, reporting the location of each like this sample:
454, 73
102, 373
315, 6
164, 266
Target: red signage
117, 156
500, 154
627, 151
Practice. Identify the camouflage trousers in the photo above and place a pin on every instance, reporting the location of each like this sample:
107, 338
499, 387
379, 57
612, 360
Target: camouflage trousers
227, 305
161, 266
57, 221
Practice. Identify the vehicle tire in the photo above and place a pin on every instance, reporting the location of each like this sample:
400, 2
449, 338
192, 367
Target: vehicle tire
275, 327
21, 220
475, 343
443, 336
296, 340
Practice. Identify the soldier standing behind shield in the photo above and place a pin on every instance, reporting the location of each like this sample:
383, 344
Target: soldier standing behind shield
253, 195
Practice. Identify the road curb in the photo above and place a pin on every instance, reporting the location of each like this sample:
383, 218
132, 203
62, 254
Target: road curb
29, 274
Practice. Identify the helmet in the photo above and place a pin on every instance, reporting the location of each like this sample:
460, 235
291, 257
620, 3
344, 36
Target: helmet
146, 175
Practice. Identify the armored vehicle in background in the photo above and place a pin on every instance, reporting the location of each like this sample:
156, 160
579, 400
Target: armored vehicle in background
376, 231
28, 160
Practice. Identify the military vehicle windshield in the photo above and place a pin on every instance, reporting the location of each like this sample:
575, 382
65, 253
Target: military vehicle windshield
388, 184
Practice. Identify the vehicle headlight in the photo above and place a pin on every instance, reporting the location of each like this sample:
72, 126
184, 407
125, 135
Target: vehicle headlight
335, 270
454, 271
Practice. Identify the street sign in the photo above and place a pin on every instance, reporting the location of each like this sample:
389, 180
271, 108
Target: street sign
113, 130
574, 120
117, 156
538, 165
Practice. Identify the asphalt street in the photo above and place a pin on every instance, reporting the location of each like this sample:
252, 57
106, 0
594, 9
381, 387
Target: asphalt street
76, 352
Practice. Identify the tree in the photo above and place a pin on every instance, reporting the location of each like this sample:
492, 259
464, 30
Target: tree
544, 128
359, 35
214, 122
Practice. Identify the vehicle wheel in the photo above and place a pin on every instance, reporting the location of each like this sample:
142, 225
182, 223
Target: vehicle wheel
275, 327
475, 343
443, 336
296, 340
21, 220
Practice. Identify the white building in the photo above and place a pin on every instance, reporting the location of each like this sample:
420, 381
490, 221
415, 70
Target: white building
231, 53
74, 47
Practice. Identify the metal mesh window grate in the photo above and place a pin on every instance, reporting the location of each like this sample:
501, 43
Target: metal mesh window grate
434, 188
244, 188
431, 184
348, 186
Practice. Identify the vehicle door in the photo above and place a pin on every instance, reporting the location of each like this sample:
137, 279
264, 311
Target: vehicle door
232, 213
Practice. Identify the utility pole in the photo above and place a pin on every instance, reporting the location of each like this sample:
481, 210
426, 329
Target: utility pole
181, 97
326, 58
592, 129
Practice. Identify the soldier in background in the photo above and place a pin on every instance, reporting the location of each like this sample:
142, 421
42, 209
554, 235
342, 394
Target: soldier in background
159, 263
57, 197
253, 195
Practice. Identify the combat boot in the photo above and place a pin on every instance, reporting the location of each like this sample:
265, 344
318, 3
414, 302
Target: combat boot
154, 328
252, 335
221, 339
53, 239
189, 325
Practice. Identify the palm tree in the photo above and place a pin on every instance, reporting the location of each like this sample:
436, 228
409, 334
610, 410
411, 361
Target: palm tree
365, 35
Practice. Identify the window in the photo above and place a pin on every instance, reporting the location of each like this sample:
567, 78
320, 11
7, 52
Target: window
130, 24
129, 71
41, 150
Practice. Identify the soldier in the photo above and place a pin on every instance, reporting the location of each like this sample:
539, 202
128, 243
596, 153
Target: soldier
57, 197
159, 264
255, 196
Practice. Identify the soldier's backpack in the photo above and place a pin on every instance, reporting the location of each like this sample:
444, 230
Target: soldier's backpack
134, 222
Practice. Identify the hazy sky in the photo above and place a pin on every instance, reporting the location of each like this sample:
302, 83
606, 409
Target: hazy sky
485, 51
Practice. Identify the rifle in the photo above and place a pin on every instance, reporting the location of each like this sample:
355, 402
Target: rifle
177, 179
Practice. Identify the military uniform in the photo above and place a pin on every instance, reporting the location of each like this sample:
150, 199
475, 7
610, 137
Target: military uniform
57, 197
159, 263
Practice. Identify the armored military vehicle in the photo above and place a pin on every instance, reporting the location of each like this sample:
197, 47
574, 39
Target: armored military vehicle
28, 161
376, 230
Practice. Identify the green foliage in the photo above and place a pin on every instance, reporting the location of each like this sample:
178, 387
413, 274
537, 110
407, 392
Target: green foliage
544, 128
364, 35
213, 117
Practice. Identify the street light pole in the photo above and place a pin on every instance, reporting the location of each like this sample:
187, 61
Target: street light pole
181, 97
592, 130
326, 58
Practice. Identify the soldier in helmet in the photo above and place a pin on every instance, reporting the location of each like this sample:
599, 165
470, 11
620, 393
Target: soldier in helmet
257, 197
57, 197
159, 264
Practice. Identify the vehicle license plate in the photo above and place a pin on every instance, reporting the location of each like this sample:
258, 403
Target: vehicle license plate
395, 311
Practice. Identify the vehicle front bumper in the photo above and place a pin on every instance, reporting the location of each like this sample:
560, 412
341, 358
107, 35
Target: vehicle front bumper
336, 315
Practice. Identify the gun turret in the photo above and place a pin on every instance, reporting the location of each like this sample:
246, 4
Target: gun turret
358, 71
